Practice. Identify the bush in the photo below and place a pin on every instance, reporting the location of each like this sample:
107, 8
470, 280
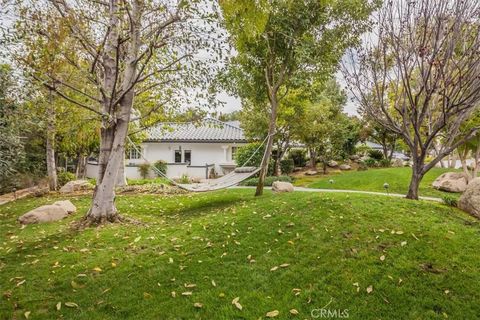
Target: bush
449, 200
161, 166
185, 179
375, 154
385, 163
144, 170
370, 162
299, 157
362, 166
286, 166
252, 182
64, 177
245, 152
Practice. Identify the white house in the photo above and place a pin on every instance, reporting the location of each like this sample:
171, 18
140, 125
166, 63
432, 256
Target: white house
192, 149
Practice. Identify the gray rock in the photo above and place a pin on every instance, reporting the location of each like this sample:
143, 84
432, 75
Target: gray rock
470, 199
311, 173
76, 185
345, 167
451, 182
47, 213
332, 164
280, 186
67, 205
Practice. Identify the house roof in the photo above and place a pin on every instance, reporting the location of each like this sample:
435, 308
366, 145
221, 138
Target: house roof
209, 130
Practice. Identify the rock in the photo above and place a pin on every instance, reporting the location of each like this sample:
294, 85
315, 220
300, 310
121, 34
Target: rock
67, 205
76, 185
45, 213
398, 163
451, 182
470, 199
345, 167
354, 157
332, 164
311, 173
362, 166
280, 186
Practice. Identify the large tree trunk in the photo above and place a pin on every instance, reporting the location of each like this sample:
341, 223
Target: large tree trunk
417, 177
268, 149
313, 159
51, 167
121, 176
80, 171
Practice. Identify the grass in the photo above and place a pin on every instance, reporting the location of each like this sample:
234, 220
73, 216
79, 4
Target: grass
225, 243
141, 182
373, 180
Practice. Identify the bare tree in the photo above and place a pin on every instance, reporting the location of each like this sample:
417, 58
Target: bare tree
419, 76
121, 50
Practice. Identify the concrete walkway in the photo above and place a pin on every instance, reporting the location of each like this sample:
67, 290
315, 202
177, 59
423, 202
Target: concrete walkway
303, 189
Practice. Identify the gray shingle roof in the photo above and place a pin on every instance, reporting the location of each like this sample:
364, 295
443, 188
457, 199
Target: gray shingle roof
209, 130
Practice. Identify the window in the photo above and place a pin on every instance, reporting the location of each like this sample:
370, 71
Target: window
234, 151
133, 154
178, 156
187, 156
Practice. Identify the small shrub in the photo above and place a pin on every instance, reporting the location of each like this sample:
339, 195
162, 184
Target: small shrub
449, 200
286, 166
370, 162
184, 179
92, 181
64, 177
252, 182
375, 154
362, 166
144, 170
385, 163
161, 166
299, 157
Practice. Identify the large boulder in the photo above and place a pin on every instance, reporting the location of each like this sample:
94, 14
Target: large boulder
280, 186
451, 182
470, 199
67, 205
332, 164
345, 167
76, 185
311, 172
42, 214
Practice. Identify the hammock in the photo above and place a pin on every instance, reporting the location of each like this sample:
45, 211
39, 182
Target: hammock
233, 178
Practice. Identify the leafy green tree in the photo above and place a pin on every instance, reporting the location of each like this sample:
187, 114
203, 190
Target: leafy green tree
286, 44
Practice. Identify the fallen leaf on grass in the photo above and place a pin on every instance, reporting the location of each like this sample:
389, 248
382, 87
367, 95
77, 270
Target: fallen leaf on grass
58, 306
27, 314
189, 285
21, 282
382, 258
236, 303
187, 293
369, 289
97, 269
147, 295
272, 314
274, 268
294, 311
213, 283
284, 265
71, 305
403, 243
174, 294
198, 305
76, 285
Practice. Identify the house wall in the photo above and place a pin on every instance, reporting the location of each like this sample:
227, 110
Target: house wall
201, 154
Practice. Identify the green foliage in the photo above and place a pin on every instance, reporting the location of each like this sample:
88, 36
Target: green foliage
287, 166
144, 170
299, 157
184, 179
245, 152
141, 182
64, 177
375, 154
161, 166
268, 180
371, 162
385, 163
450, 200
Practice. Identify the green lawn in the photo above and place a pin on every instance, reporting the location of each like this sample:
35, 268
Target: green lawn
223, 245
373, 180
